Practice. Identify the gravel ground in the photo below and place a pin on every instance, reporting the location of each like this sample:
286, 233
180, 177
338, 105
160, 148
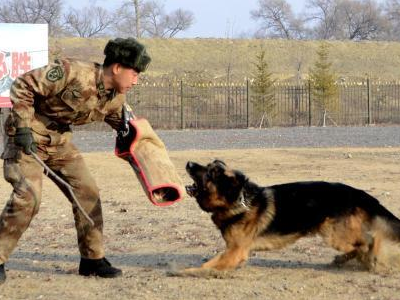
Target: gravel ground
147, 242
313, 137
309, 137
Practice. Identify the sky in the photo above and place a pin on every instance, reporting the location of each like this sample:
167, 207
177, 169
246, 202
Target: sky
213, 18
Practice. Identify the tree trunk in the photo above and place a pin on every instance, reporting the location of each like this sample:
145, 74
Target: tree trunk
262, 121
137, 15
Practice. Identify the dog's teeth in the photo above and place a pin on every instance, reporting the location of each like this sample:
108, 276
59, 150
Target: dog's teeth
191, 189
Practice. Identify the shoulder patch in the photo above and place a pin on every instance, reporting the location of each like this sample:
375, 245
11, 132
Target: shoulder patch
55, 74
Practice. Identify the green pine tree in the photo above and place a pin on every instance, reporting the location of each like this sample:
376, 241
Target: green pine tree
262, 91
324, 90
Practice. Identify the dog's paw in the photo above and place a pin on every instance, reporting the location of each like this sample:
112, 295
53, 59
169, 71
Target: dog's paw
339, 260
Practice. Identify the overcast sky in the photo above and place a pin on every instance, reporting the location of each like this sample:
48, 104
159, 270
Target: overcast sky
213, 18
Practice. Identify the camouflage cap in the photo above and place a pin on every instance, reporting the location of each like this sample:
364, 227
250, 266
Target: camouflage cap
128, 52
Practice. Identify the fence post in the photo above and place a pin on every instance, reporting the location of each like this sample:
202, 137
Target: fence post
247, 103
309, 103
369, 96
182, 123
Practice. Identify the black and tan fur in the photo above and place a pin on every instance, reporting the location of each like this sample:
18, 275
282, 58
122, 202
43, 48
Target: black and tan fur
251, 217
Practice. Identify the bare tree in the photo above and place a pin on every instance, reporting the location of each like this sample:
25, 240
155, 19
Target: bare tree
277, 19
176, 21
127, 24
88, 21
153, 15
391, 10
137, 17
148, 18
361, 19
32, 11
325, 16
347, 19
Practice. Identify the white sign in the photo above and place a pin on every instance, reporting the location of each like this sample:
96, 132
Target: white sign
23, 47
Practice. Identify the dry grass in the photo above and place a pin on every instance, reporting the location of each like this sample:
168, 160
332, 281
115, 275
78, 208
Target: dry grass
379, 60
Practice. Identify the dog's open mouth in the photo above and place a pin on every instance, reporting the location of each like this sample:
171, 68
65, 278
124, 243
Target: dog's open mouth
191, 190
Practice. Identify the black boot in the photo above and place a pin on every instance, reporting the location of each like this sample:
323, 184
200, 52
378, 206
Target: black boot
98, 267
2, 274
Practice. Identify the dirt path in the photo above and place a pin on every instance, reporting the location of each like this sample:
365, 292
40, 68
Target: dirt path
147, 241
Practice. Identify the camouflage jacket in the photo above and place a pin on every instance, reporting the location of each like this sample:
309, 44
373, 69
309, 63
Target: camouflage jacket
66, 92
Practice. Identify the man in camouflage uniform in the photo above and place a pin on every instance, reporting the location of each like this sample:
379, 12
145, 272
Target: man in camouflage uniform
46, 101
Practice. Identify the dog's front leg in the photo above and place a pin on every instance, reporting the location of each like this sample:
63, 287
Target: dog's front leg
230, 259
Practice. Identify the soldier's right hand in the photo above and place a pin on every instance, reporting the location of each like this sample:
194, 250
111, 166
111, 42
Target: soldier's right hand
24, 139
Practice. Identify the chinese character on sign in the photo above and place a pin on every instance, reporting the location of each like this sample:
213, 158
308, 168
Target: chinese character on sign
12, 65
21, 63
23, 47
3, 65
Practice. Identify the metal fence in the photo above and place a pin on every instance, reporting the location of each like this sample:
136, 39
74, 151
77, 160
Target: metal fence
182, 105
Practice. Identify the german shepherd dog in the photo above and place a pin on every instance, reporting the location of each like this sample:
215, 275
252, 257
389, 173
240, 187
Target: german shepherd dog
251, 217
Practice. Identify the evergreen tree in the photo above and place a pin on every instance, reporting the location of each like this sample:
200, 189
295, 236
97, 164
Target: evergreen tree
324, 90
262, 91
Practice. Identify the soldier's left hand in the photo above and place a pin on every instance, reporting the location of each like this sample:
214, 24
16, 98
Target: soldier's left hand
23, 138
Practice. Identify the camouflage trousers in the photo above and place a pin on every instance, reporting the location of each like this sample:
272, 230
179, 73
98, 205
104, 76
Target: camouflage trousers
25, 175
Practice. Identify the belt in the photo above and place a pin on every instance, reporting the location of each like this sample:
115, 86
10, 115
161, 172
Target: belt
51, 124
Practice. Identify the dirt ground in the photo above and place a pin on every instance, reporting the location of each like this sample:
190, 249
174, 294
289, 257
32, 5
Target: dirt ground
148, 241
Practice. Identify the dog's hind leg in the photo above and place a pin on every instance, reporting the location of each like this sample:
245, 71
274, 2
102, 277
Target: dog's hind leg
369, 257
365, 252
350, 234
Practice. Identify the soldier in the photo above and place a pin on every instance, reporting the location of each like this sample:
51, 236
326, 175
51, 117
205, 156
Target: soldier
46, 101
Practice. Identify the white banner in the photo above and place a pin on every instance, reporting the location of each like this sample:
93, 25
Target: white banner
23, 47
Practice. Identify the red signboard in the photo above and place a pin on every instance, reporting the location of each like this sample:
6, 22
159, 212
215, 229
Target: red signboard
5, 102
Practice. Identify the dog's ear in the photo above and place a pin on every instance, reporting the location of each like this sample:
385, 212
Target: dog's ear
217, 169
231, 185
240, 178
219, 162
